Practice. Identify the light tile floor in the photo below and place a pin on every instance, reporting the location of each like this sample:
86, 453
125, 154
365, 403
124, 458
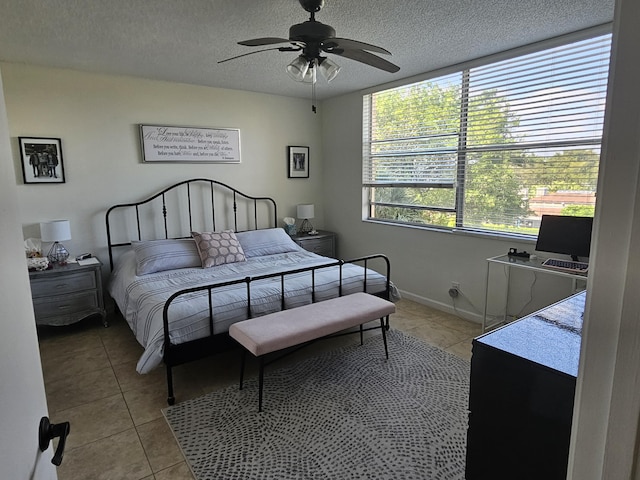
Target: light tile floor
117, 427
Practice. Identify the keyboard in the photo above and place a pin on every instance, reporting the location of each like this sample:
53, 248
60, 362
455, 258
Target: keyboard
566, 265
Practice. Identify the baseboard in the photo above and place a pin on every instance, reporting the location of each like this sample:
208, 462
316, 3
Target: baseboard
443, 307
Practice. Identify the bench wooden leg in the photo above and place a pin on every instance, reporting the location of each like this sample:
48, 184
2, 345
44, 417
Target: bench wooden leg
384, 336
361, 334
260, 383
242, 362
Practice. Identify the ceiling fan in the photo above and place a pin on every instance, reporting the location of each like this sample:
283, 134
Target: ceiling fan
312, 39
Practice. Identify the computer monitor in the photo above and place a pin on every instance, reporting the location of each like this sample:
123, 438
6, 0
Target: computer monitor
565, 235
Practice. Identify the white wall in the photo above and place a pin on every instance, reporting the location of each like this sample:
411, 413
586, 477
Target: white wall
96, 116
22, 389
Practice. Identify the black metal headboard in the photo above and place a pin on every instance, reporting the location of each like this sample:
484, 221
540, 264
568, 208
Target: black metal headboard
196, 204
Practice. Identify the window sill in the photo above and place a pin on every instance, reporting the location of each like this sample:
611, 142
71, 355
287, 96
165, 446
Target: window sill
504, 237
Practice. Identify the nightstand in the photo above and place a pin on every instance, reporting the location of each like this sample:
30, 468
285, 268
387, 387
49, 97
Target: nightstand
324, 243
67, 294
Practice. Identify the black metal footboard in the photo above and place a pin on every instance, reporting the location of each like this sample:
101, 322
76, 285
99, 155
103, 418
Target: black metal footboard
177, 354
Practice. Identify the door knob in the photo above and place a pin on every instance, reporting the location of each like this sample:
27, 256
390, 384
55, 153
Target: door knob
48, 431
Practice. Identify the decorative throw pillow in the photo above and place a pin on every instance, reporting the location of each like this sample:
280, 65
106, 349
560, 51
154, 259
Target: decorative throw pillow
218, 248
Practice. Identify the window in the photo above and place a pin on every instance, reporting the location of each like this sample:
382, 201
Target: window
490, 148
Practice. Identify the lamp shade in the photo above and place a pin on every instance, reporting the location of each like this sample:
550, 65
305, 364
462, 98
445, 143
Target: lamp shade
310, 76
298, 68
55, 231
305, 210
329, 69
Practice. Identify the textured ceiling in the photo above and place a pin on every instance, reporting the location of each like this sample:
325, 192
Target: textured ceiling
182, 40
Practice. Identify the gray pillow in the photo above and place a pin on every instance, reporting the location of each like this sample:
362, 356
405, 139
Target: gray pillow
268, 241
160, 255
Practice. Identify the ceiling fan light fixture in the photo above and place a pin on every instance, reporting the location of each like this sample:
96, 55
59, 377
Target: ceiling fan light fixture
312, 39
298, 69
310, 76
328, 68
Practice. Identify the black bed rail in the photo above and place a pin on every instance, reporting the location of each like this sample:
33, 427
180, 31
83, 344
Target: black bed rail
386, 293
176, 354
213, 185
366, 260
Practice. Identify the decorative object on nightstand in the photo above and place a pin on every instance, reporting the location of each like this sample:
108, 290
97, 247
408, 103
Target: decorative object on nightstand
290, 225
33, 251
56, 232
305, 212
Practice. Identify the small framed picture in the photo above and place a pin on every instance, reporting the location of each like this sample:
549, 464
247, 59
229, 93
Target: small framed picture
41, 160
298, 160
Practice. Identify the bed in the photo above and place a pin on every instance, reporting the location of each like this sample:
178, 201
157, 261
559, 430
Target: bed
189, 261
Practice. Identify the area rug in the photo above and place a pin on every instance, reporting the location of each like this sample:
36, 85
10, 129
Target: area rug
345, 414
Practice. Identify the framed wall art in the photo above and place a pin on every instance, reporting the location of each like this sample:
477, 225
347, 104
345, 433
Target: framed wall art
41, 160
298, 162
189, 144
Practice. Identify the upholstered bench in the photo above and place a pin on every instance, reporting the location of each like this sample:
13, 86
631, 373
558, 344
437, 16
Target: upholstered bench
297, 326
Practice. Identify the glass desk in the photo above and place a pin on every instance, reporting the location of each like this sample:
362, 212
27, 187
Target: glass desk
534, 264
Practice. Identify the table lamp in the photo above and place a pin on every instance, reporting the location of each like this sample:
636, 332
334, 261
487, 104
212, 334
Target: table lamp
56, 231
305, 212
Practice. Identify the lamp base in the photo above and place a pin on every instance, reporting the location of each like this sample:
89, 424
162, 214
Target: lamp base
58, 254
306, 226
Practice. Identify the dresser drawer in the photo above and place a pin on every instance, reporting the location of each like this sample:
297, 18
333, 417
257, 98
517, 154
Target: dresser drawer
63, 284
323, 243
321, 246
46, 307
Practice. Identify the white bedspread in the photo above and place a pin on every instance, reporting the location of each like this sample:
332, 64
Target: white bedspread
141, 298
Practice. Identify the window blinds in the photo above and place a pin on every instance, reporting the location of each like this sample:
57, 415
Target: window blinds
498, 134
413, 133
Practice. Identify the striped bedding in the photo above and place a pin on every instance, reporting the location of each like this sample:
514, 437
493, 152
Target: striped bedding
141, 298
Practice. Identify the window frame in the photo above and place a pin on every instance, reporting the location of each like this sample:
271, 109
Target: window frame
459, 183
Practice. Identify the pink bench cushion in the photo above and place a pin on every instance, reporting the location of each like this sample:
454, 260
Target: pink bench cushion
287, 328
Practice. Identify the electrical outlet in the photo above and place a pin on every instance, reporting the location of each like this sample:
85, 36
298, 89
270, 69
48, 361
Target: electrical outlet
454, 291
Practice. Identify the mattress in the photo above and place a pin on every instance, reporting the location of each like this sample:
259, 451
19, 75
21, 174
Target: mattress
141, 299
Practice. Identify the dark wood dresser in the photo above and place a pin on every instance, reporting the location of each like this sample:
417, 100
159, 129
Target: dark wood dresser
523, 379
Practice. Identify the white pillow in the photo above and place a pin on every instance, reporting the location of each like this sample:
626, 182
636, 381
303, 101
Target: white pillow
160, 255
218, 248
268, 241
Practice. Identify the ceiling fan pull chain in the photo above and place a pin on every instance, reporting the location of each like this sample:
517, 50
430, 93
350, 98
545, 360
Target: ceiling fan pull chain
313, 98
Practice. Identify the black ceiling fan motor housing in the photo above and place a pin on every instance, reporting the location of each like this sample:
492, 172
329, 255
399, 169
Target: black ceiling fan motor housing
311, 32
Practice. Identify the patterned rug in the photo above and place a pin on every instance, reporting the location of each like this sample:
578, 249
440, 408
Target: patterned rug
346, 414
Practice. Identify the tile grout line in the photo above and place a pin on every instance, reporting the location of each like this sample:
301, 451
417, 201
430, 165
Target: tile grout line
135, 427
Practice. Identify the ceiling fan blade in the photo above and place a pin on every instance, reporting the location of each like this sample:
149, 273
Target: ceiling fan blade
257, 42
347, 44
282, 49
369, 59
